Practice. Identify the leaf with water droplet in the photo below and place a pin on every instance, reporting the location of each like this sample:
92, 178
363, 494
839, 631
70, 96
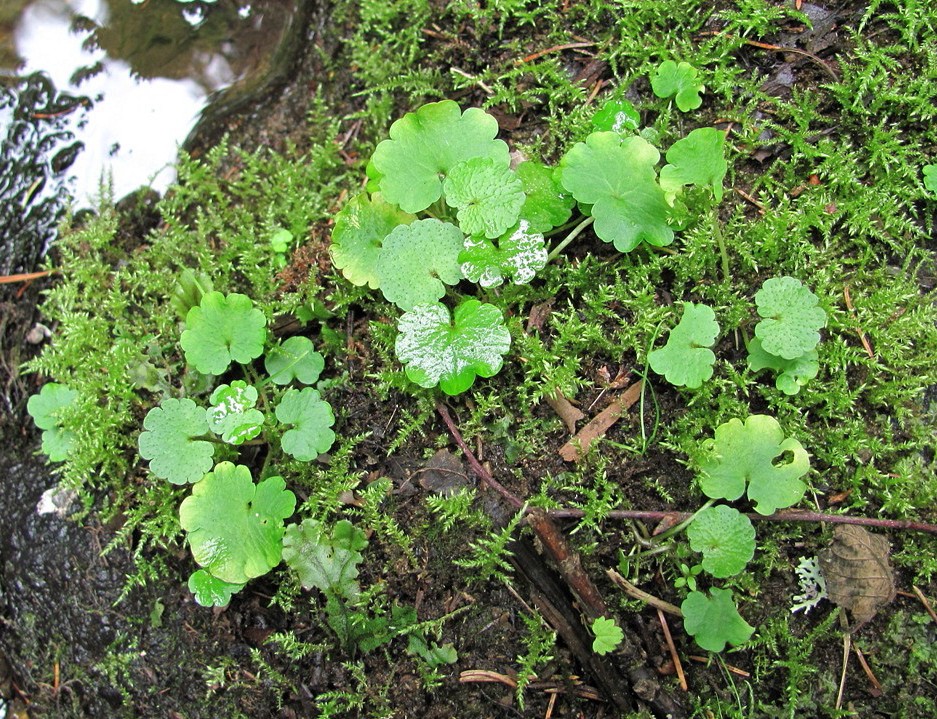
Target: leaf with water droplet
210, 591
792, 317
520, 254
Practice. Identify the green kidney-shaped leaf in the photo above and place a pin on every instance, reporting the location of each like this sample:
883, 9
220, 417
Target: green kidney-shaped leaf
425, 145
792, 317
172, 441
232, 414
295, 359
617, 178
726, 539
312, 420
618, 116
681, 80
325, 560
223, 329
714, 621
608, 635
451, 353
210, 591
235, 528
547, 205
686, 360
418, 261
519, 255
45, 408
758, 454
360, 229
792, 374
930, 177
488, 195
697, 159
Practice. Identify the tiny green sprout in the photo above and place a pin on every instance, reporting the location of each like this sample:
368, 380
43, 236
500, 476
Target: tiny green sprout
326, 560
311, 419
450, 353
45, 409
688, 576
188, 291
618, 116
210, 591
697, 159
726, 539
487, 195
425, 145
280, 241
232, 414
686, 360
714, 620
294, 359
223, 329
431, 653
235, 527
791, 374
930, 177
547, 204
680, 80
173, 441
608, 635
360, 229
418, 260
754, 453
520, 254
792, 318
617, 177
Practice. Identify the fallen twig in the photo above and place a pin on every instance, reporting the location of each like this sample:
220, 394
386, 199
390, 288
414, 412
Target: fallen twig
639, 594
576, 447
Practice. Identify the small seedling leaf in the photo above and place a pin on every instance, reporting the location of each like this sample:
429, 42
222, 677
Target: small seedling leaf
45, 408
360, 229
425, 145
518, 255
418, 261
714, 621
235, 527
312, 420
726, 539
210, 591
295, 359
680, 80
324, 560
222, 329
792, 374
488, 196
431, 653
792, 317
171, 441
758, 454
188, 291
617, 178
608, 635
686, 360
232, 414
451, 353
930, 177
547, 205
697, 159
618, 116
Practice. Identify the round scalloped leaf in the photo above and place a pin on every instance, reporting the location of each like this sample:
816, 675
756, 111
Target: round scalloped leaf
232, 414
608, 635
697, 159
325, 560
792, 374
488, 195
210, 591
222, 329
792, 317
726, 539
418, 261
295, 359
547, 205
617, 178
172, 443
360, 229
235, 527
519, 255
312, 420
714, 620
618, 116
681, 80
758, 454
451, 353
44, 408
686, 360
425, 145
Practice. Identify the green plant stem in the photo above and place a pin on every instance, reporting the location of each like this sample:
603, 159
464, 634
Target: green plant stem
569, 238
717, 231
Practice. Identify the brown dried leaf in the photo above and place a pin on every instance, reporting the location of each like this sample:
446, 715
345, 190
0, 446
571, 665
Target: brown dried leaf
576, 447
859, 576
565, 410
444, 474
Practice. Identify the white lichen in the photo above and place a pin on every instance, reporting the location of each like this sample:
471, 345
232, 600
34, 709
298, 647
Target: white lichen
812, 585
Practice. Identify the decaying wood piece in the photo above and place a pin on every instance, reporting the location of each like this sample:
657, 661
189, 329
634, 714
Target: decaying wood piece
565, 410
576, 447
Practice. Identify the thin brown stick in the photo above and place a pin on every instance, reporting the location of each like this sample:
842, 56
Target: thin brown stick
876, 690
678, 666
639, 594
729, 668
9, 279
555, 48
927, 605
